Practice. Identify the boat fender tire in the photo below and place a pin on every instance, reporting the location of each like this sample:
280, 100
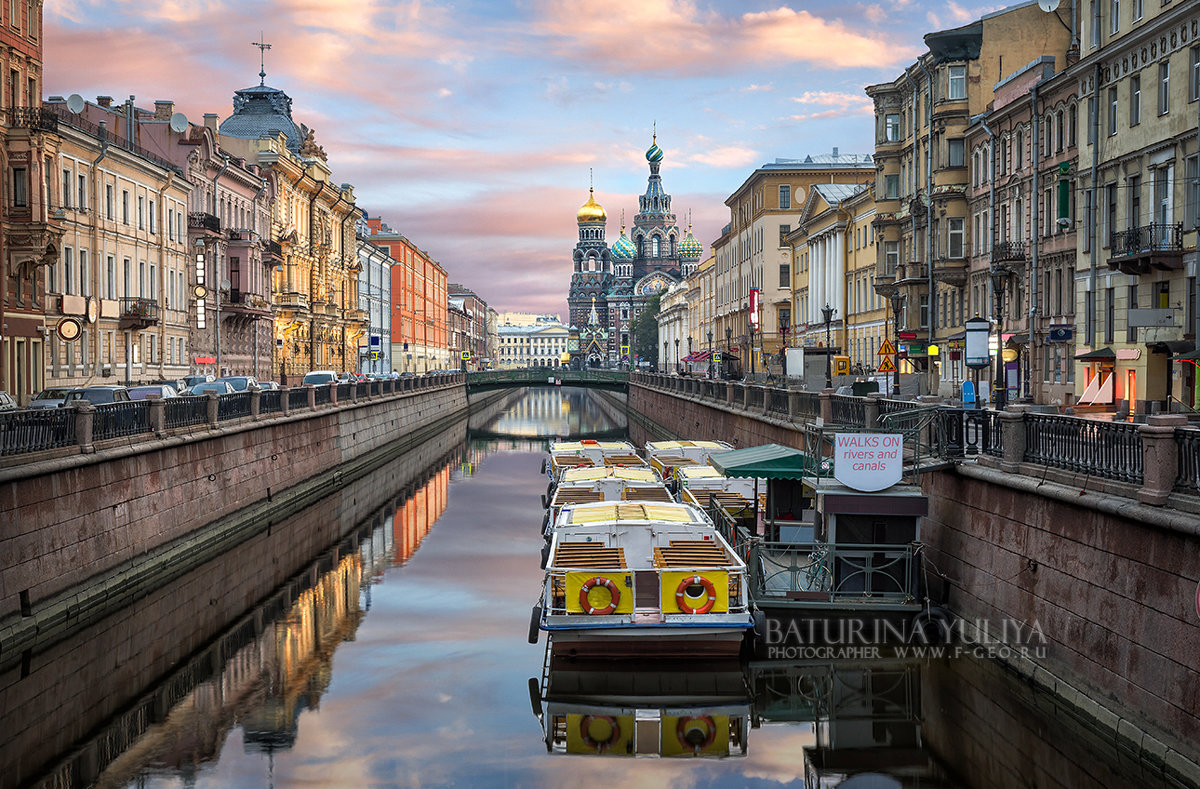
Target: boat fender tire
545, 555
613, 592
684, 732
535, 697
759, 617
585, 732
545, 502
535, 621
543, 465
681, 595
932, 625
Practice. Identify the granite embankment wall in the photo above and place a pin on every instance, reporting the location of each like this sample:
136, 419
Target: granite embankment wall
82, 536
1110, 582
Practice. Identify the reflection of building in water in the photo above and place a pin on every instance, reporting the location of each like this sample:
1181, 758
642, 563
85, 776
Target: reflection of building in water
662, 709
866, 719
553, 411
416, 516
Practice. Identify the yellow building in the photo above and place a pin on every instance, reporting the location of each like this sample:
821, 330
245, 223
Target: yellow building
921, 118
315, 285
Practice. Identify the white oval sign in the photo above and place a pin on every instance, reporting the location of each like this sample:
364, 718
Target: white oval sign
868, 461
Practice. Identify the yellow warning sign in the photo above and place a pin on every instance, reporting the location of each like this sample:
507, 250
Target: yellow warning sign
886, 365
887, 349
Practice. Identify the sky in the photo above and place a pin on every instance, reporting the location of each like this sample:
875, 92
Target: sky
475, 127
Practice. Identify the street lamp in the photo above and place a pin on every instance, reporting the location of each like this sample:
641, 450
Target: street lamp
710, 354
728, 343
897, 299
999, 277
664, 357
827, 314
783, 329
677, 355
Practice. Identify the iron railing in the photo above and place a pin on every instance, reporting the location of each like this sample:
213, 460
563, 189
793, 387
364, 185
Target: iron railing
36, 118
1187, 439
777, 400
270, 401
1008, 250
322, 395
964, 432
36, 429
201, 220
233, 406
185, 412
297, 398
809, 404
1156, 237
1112, 450
343, 393
117, 420
849, 410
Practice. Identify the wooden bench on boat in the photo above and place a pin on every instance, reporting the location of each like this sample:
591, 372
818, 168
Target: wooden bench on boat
623, 460
573, 461
690, 553
656, 493
583, 556
563, 496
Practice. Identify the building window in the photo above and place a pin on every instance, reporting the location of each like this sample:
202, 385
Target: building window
125, 206
170, 224
68, 270
956, 153
1135, 100
1192, 172
1110, 314
152, 230
1130, 330
66, 188
82, 199
1194, 73
785, 196
1138, 9
957, 82
1112, 110
891, 257
891, 187
1072, 113
783, 232
141, 203
1095, 28
956, 234
1114, 15
891, 127
1164, 87
108, 201
110, 278
20, 188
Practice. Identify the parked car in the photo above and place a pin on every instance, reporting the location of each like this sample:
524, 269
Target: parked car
320, 377
50, 398
7, 402
192, 380
240, 383
98, 395
204, 387
268, 385
162, 391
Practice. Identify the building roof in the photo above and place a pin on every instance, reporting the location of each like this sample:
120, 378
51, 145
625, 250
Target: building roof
262, 111
836, 193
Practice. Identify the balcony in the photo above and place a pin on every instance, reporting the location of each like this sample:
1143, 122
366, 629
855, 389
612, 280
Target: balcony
1009, 250
911, 270
292, 299
242, 234
33, 118
199, 220
250, 304
1140, 250
138, 313
951, 271
356, 316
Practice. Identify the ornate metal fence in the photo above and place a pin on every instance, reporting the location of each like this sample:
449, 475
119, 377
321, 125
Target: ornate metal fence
270, 401
849, 410
30, 431
809, 404
1187, 439
322, 394
1104, 449
233, 406
184, 412
115, 420
297, 398
343, 393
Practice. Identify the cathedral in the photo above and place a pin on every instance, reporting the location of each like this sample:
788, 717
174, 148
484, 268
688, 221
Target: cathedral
610, 286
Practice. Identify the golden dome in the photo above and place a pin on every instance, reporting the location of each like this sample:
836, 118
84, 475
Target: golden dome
591, 210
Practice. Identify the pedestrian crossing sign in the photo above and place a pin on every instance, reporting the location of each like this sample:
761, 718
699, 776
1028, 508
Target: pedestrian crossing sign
466, 355
886, 349
886, 366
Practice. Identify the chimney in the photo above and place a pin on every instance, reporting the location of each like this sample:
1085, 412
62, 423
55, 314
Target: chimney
163, 110
835, 153
104, 101
210, 120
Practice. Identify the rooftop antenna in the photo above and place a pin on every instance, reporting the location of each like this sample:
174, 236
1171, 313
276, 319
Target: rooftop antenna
262, 53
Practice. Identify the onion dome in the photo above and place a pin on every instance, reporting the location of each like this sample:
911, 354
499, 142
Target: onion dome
690, 248
623, 248
591, 210
654, 153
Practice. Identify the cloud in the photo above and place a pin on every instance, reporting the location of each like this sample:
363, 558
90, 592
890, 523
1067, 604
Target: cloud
837, 104
725, 156
874, 14
691, 41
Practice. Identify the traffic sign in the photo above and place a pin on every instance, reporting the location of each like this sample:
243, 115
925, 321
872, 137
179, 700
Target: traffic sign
886, 349
466, 355
907, 335
624, 350
717, 357
886, 365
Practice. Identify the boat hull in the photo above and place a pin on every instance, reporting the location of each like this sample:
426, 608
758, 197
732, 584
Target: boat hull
649, 640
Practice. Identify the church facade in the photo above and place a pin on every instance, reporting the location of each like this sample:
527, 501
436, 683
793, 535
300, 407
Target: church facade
612, 285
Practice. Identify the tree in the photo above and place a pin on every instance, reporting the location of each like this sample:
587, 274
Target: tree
645, 333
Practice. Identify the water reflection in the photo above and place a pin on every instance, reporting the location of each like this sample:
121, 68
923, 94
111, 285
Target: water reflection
546, 412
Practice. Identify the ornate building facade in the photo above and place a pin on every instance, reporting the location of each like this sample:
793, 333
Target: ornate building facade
618, 281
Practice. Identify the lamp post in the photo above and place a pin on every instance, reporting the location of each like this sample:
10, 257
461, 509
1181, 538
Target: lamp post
664, 357
897, 299
710, 354
690, 360
827, 314
677, 362
728, 343
999, 277
783, 329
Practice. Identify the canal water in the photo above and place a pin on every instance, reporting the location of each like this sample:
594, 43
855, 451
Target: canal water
397, 656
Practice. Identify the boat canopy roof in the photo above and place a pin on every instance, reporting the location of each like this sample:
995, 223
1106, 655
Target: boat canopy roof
580, 446
628, 512
770, 461
660, 446
698, 472
592, 473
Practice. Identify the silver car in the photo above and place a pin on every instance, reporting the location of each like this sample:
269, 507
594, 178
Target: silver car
50, 398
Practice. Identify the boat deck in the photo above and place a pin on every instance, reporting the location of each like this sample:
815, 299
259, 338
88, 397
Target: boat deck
592, 555
690, 553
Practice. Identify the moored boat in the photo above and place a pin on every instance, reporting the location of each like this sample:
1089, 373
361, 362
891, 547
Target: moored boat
588, 452
642, 578
609, 483
666, 456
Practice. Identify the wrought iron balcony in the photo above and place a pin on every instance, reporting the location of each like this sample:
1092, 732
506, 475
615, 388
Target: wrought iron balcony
199, 220
274, 253
242, 234
1138, 250
138, 313
1009, 250
291, 299
34, 118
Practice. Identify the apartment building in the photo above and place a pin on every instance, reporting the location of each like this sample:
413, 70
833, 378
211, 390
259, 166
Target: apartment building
922, 218
375, 298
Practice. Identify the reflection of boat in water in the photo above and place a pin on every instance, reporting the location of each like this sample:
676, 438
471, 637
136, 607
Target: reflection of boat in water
642, 578
666, 456
609, 483
660, 709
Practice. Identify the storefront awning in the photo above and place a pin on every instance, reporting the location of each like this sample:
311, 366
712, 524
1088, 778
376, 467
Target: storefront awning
698, 356
1098, 355
1172, 347
771, 461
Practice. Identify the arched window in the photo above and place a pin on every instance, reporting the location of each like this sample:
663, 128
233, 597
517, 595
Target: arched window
654, 251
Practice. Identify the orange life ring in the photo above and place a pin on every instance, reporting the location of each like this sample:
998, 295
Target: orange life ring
589, 441
614, 595
585, 733
682, 731
681, 596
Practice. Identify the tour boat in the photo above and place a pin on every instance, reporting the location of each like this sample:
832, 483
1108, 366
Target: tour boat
588, 452
666, 456
642, 578
700, 485
607, 483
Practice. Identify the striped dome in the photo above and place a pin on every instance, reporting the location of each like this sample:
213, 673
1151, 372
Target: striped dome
689, 247
654, 153
623, 248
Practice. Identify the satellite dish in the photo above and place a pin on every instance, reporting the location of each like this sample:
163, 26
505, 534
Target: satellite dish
75, 103
1048, 5
179, 121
